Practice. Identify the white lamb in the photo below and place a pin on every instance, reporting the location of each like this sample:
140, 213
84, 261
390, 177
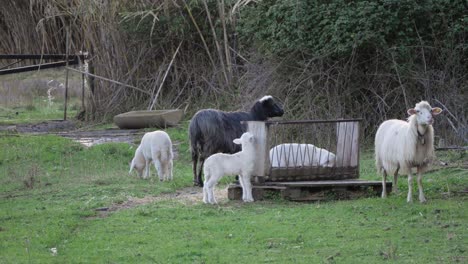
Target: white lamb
300, 155
241, 163
401, 146
157, 147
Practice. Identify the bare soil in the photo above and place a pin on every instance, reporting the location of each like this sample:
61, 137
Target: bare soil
69, 129
185, 196
42, 127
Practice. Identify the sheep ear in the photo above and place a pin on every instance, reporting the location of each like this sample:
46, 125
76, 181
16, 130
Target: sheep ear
237, 141
436, 110
411, 111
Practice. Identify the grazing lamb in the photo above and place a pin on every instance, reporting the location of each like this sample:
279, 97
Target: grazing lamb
212, 131
157, 147
300, 155
403, 145
241, 163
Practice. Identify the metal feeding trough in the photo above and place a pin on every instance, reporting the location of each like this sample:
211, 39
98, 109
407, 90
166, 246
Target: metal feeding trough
148, 118
299, 176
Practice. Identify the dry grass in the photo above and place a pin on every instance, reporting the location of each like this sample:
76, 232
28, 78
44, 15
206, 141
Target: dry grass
135, 42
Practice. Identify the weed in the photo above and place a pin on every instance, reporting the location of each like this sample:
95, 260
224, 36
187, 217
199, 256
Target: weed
30, 107
32, 177
272, 195
389, 251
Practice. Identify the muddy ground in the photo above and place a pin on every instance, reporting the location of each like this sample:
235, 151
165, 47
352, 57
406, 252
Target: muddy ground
69, 129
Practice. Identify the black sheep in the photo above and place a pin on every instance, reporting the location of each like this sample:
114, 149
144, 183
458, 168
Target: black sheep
212, 131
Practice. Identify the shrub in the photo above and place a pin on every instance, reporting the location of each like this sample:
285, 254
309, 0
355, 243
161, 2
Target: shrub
338, 27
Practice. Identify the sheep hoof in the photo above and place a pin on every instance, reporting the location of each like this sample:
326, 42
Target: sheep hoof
422, 200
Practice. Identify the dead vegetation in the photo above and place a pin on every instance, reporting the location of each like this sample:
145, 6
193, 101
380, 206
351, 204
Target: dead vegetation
186, 54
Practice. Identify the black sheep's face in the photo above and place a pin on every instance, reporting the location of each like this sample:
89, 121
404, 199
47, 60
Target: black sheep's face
271, 107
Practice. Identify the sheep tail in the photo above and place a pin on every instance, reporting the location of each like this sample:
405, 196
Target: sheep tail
195, 137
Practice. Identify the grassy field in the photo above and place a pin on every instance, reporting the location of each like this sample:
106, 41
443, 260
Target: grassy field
24, 97
50, 188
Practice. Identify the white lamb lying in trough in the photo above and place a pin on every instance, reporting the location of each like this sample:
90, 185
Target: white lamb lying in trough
241, 163
300, 155
156, 147
401, 146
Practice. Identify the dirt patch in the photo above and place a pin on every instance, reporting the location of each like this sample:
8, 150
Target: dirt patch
69, 129
185, 196
95, 137
42, 127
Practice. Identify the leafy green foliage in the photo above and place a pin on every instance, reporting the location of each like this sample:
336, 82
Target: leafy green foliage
339, 27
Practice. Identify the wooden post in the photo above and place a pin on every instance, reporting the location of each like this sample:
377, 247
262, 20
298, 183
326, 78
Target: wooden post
66, 76
82, 91
262, 162
92, 85
347, 150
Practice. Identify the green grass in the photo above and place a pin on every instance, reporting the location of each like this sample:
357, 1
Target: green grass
24, 96
38, 110
51, 186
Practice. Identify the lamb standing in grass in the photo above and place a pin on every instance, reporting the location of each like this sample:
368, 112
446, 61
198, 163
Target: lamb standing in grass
157, 147
241, 163
300, 155
401, 146
212, 131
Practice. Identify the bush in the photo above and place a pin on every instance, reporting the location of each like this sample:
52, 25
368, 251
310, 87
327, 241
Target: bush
338, 27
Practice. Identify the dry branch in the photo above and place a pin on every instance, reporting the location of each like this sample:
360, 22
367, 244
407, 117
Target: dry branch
109, 80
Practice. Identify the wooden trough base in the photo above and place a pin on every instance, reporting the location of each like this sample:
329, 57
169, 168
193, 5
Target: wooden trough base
312, 190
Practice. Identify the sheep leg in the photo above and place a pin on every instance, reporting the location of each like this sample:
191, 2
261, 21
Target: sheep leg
199, 180
159, 169
210, 190
170, 165
395, 182
422, 199
165, 176
246, 188
409, 199
194, 167
147, 169
166, 171
208, 187
384, 183
206, 197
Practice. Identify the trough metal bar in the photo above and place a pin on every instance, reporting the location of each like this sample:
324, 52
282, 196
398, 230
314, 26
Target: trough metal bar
38, 67
311, 121
327, 183
39, 56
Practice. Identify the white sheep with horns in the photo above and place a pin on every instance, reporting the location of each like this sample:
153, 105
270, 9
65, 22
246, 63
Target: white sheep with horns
401, 146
